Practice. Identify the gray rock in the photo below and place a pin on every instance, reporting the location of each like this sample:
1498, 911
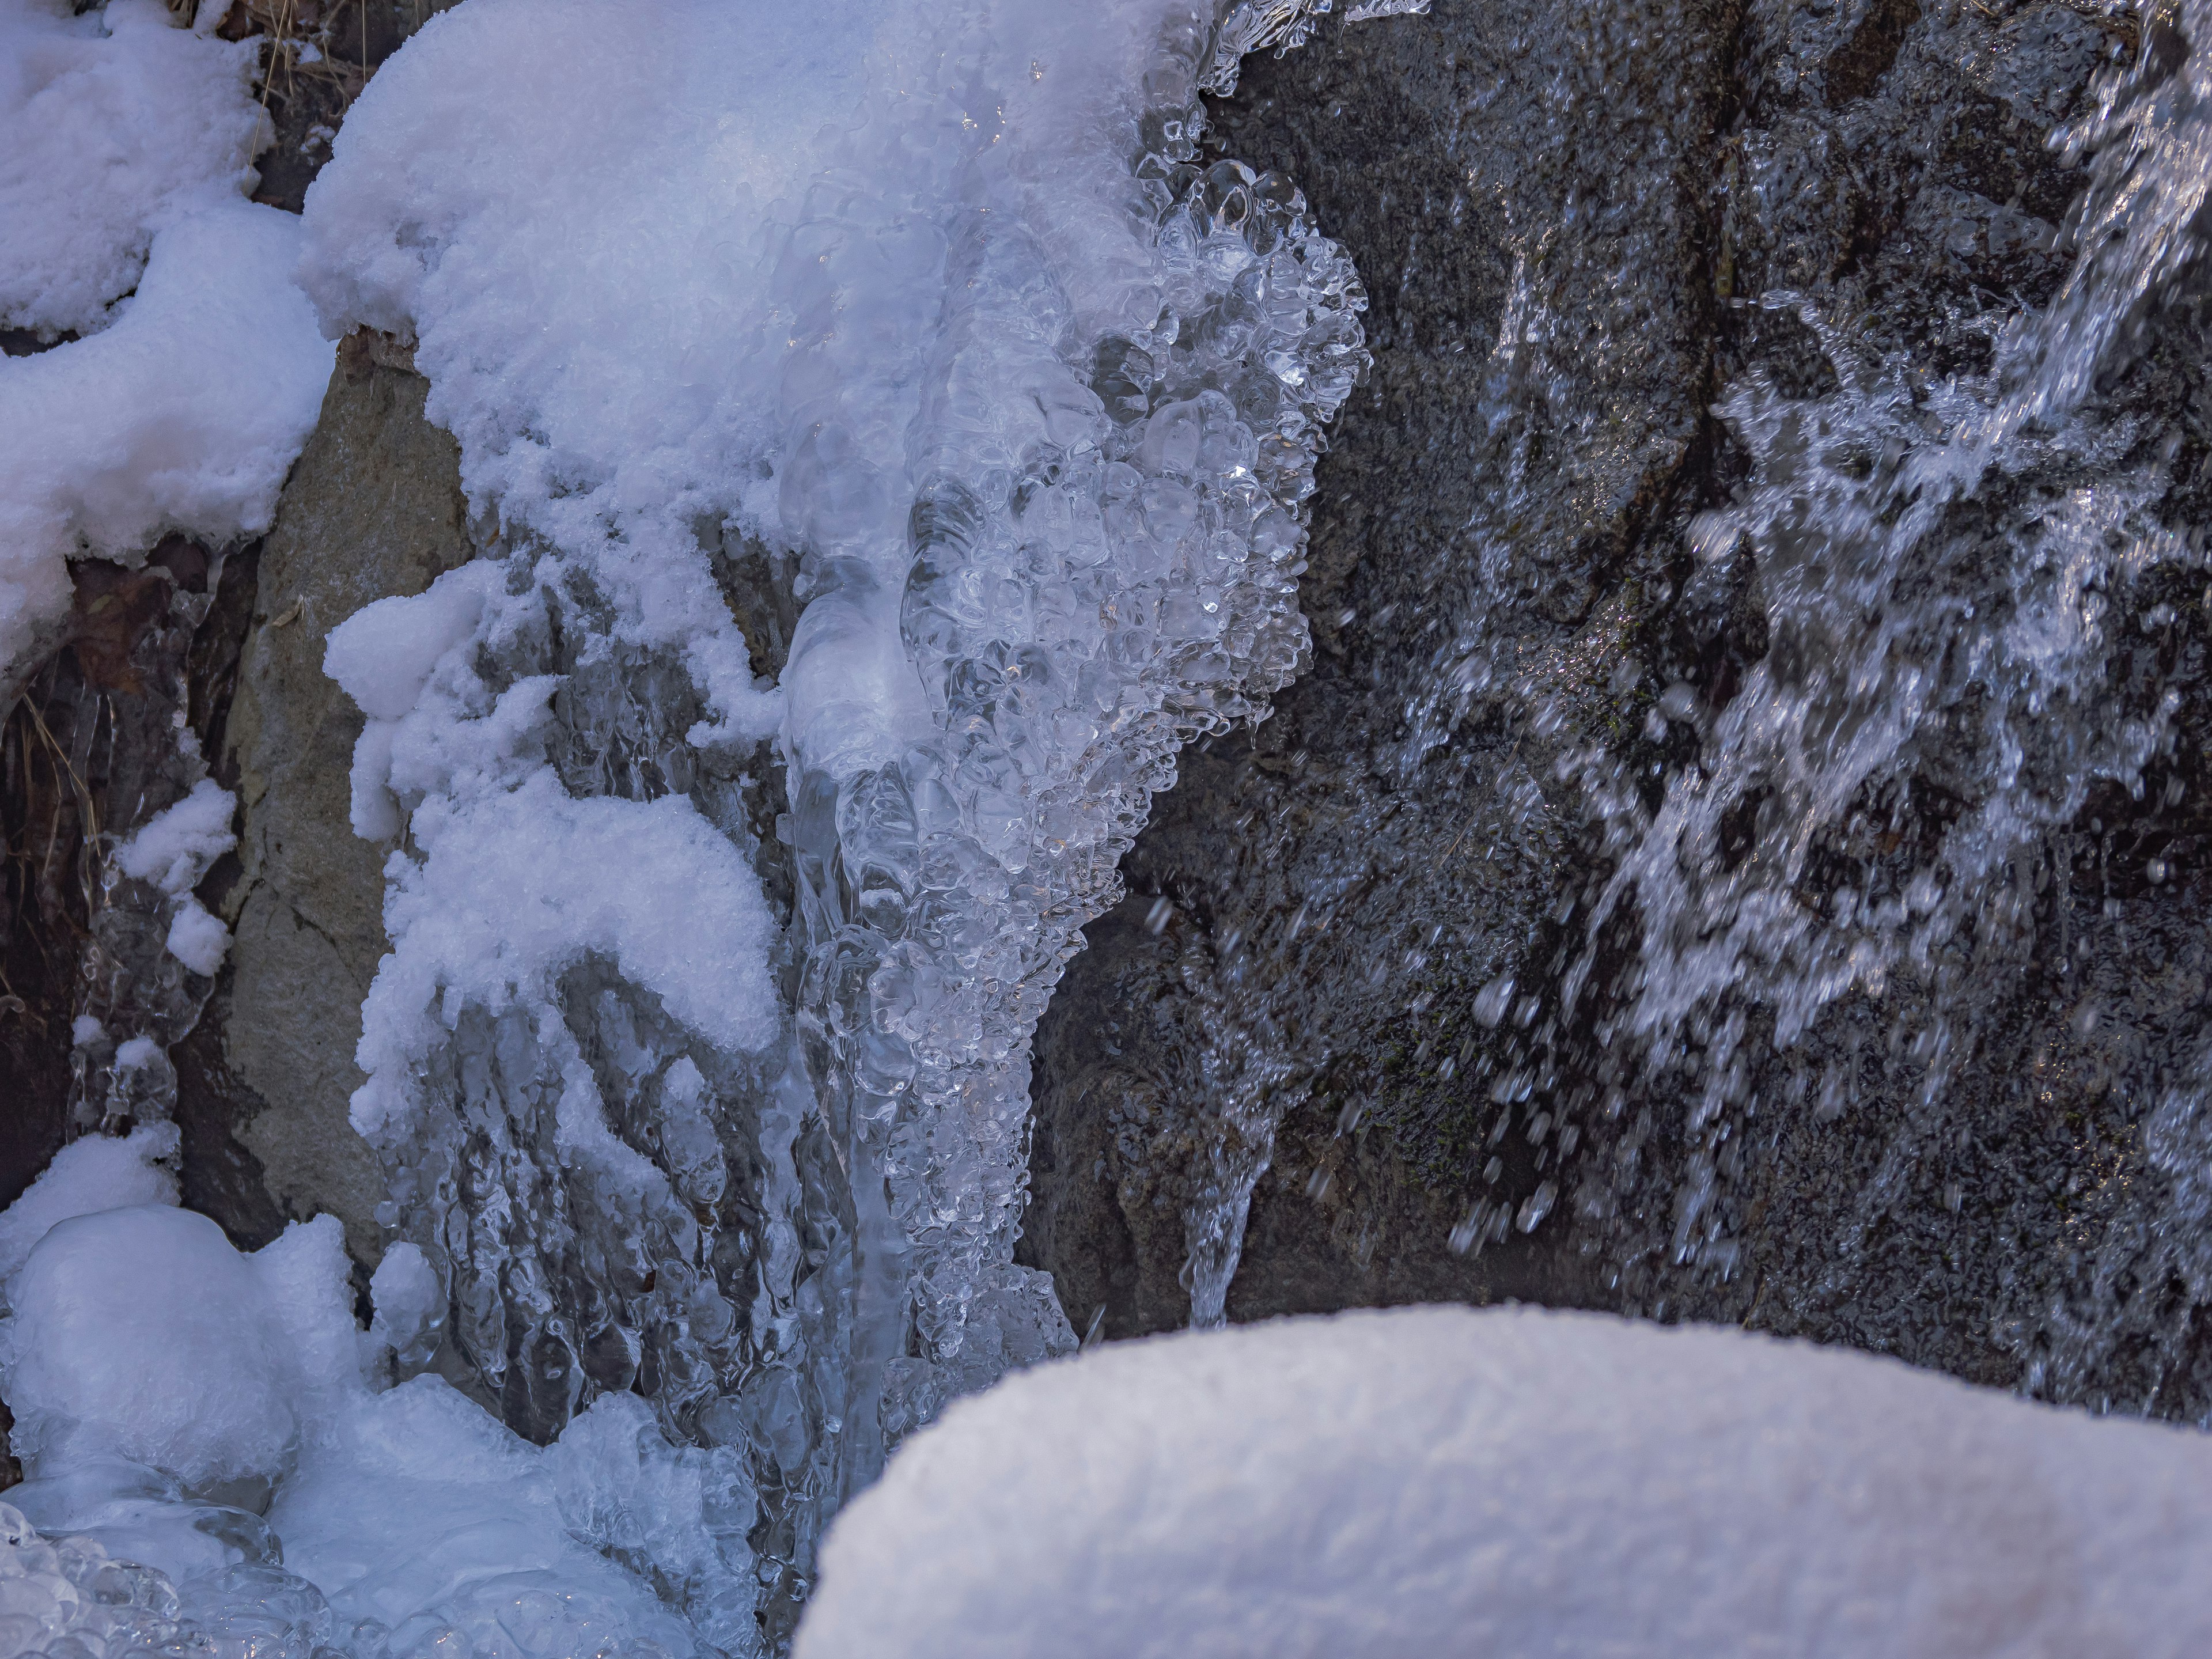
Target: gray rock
372, 508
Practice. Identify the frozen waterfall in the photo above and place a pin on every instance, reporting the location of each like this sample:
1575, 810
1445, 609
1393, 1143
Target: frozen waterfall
697, 1065
888, 434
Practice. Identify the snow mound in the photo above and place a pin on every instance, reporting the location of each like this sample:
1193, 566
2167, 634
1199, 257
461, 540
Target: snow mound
171, 1392
1434, 1480
99, 1172
140, 1333
184, 413
112, 125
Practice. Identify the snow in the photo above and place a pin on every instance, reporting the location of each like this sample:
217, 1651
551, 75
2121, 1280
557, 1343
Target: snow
524, 885
158, 1376
1436, 1480
114, 126
140, 1333
419, 1511
559, 201
99, 1172
196, 937
175, 847
184, 414
410, 1300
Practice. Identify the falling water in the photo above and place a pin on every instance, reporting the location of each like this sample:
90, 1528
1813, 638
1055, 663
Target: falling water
1941, 567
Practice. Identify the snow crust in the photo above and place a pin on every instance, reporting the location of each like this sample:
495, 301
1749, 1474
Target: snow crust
519, 889
557, 201
1441, 1480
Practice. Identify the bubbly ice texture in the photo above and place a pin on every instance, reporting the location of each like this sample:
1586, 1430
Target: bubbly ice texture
1434, 1481
924, 321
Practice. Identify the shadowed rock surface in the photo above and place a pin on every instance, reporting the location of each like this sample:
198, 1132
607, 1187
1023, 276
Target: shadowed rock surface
1376, 968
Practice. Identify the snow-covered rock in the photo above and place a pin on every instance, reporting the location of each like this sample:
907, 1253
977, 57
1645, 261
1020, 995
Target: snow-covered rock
1440, 1480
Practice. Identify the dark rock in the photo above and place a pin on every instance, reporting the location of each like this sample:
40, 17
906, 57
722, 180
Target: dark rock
90, 751
1358, 973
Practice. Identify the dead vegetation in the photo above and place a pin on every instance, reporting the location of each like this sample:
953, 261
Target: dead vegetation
316, 57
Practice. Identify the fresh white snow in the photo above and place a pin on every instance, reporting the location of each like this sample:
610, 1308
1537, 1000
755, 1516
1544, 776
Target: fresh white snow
99, 1172
126, 146
1442, 1480
158, 1376
114, 125
185, 413
173, 849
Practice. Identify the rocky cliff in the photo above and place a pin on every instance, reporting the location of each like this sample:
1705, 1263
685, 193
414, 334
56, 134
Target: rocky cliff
1446, 966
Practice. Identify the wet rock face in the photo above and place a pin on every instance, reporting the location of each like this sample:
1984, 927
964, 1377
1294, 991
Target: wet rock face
1542, 334
90, 751
1380, 968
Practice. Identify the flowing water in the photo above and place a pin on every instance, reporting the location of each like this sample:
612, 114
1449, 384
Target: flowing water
1945, 566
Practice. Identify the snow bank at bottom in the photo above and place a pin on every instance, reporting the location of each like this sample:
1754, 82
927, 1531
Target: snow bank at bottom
1431, 1481
162, 1381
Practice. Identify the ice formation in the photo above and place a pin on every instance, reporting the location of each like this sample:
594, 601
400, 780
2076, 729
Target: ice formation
926, 322
215, 1456
1434, 1480
173, 372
